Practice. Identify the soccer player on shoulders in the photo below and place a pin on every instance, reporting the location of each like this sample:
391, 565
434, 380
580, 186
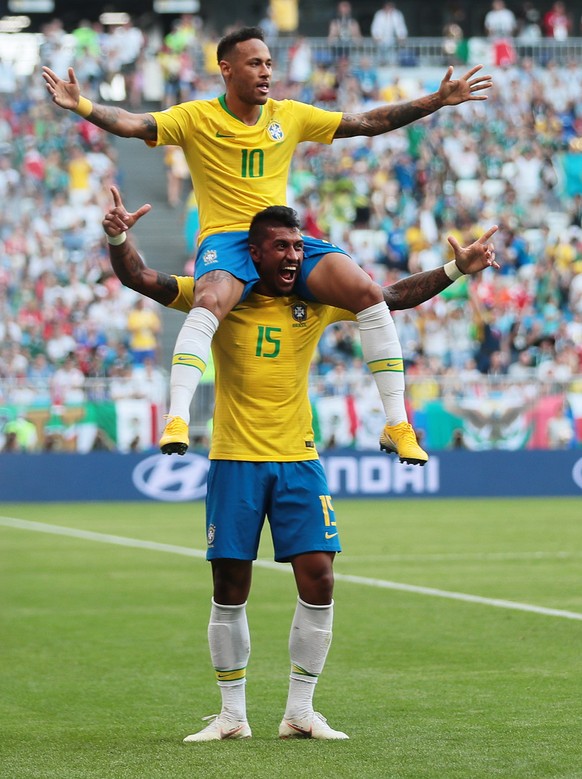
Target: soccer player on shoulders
262, 442
239, 149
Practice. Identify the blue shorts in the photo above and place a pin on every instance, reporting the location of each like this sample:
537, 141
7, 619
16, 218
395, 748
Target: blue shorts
294, 496
230, 252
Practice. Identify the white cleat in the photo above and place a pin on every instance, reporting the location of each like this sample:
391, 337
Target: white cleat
220, 728
313, 726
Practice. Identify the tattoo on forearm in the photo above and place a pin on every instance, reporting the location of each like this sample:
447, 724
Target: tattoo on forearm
110, 118
127, 264
416, 289
386, 118
132, 271
106, 117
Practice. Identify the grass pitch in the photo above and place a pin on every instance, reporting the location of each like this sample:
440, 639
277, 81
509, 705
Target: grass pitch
105, 667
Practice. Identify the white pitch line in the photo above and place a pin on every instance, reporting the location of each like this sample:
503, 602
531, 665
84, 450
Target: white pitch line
460, 557
105, 538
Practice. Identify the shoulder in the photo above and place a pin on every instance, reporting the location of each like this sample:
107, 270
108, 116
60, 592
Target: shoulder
190, 107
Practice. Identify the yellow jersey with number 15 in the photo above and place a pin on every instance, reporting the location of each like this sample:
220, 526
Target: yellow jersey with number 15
262, 353
239, 170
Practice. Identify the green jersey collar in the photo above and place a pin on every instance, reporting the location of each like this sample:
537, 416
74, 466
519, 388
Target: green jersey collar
222, 101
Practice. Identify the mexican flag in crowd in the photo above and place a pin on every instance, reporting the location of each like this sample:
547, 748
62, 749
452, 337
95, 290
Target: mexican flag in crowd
124, 425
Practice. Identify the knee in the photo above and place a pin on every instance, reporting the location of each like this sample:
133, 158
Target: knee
211, 299
318, 590
231, 584
218, 293
367, 294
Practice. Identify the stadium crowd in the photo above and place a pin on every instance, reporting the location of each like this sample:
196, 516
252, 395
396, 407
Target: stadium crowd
515, 161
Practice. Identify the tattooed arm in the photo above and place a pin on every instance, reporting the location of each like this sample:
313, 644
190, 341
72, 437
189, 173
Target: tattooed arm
114, 120
390, 117
127, 263
420, 287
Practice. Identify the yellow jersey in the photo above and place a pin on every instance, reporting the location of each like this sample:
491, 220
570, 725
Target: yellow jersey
262, 353
239, 170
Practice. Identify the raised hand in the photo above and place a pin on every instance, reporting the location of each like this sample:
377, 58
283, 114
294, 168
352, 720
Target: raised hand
478, 255
455, 91
64, 93
118, 220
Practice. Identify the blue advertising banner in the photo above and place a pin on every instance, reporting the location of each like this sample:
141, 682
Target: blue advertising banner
104, 476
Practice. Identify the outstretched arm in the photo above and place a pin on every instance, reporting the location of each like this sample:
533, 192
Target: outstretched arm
117, 121
390, 117
127, 263
420, 287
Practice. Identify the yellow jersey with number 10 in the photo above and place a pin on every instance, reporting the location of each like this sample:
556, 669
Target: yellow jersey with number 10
239, 170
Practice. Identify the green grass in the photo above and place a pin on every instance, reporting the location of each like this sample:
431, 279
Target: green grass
104, 664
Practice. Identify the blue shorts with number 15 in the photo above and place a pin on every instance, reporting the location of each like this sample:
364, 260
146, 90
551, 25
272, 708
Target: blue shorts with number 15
230, 252
294, 496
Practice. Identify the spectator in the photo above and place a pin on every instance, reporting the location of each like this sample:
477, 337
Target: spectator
300, 65
561, 433
285, 14
60, 343
176, 174
21, 436
500, 21
528, 23
144, 325
67, 383
344, 31
388, 30
557, 23
269, 27
7, 77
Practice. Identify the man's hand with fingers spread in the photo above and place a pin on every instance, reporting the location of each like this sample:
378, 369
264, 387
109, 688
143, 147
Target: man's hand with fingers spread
64, 93
455, 91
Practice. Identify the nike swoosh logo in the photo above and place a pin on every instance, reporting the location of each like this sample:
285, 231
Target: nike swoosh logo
220, 135
330, 535
307, 733
230, 733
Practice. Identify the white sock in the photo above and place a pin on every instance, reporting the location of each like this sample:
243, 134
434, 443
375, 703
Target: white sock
309, 642
230, 648
383, 355
189, 361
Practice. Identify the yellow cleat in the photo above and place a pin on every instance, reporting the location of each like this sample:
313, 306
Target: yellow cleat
401, 440
175, 438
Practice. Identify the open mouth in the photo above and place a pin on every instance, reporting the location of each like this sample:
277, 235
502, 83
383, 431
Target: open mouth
288, 273
263, 87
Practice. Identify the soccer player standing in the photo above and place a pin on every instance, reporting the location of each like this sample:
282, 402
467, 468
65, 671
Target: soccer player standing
263, 448
239, 149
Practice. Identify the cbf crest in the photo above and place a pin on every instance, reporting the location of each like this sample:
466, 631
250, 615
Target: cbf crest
299, 312
210, 257
275, 131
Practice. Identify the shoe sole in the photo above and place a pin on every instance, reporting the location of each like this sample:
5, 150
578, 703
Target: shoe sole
208, 740
302, 735
408, 460
175, 447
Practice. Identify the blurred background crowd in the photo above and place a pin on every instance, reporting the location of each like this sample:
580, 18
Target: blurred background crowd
493, 361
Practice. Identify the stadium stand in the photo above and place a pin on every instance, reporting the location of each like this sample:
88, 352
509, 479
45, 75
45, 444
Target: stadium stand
498, 357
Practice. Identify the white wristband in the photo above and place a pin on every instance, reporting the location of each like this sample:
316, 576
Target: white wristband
117, 240
452, 270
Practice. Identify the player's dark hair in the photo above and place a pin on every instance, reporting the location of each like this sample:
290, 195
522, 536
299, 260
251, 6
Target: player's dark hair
227, 44
273, 216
